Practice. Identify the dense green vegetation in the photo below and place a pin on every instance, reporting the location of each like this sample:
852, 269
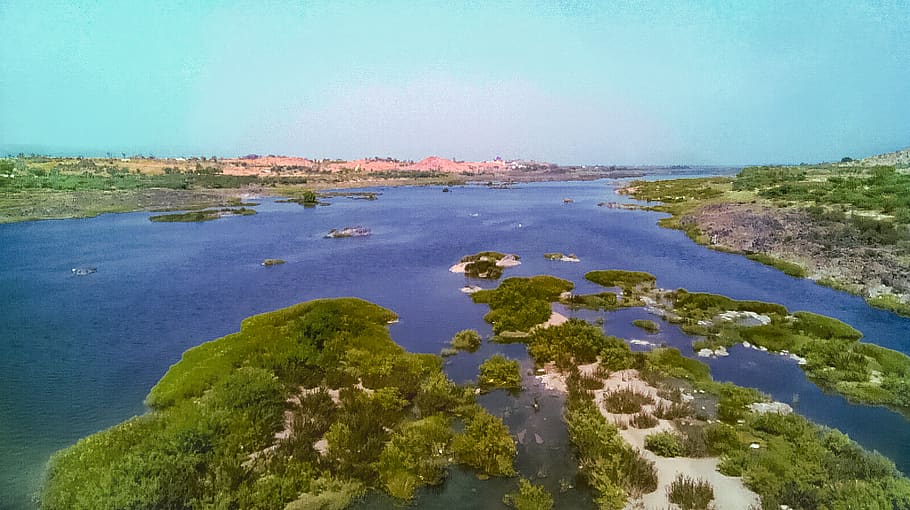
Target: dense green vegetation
576, 342
805, 466
647, 325
519, 304
86, 174
483, 264
210, 439
204, 215
882, 189
599, 301
529, 497
497, 371
466, 340
610, 466
788, 268
628, 281
835, 360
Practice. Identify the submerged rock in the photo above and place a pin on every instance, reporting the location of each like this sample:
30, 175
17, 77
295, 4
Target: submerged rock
348, 232
82, 271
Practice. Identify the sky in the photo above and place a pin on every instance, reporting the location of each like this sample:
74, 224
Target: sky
634, 82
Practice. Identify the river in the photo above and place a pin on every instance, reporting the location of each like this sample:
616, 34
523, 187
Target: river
79, 353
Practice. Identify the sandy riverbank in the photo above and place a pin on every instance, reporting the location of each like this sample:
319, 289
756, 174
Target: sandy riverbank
729, 492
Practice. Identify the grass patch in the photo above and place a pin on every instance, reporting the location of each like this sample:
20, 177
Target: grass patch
788, 268
891, 303
665, 444
647, 325
600, 301
626, 280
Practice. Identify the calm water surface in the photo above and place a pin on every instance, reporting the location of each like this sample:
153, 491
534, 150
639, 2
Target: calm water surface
79, 354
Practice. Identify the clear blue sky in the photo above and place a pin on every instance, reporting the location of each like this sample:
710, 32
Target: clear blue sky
568, 82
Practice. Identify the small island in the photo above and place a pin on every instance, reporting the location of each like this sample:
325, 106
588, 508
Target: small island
486, 264
204, 215
561, 257
348, 232
272, 262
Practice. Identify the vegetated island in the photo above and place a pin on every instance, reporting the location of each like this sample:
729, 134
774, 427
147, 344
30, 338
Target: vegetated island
486, 264
828, 350
637, 419
844, 225
34, 187
204, 215
273, 262
305, 407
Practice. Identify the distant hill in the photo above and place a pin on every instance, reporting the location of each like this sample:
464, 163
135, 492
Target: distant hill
897, 158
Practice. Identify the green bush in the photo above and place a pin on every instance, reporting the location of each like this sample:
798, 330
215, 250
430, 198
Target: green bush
498, 371
626, 280
690, 493
665, 444
486, 445
518, 304
466, 340
529, 497
625, 401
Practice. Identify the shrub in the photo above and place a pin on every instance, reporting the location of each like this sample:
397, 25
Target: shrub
486, 445
689, 493
529, 497
498, 371
644, 420
466, 340
625, 401
665, 444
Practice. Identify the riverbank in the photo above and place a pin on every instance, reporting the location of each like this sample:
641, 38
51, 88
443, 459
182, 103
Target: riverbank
833, 224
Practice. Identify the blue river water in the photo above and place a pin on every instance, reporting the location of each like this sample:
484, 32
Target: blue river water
79, 353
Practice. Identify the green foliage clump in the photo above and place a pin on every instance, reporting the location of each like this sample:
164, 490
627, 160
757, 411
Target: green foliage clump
643, 420
577, 342
703, 304
211, 438
486, 445
820, 326
198, 216
690, 493
788, 268
670, 362
416, 455
611, 467
665, 444
529, 497
625, 401
599, 301
647, 325
891, 303
483, 264
518, 304
497, 371
466, 340
805, 466
626, 280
